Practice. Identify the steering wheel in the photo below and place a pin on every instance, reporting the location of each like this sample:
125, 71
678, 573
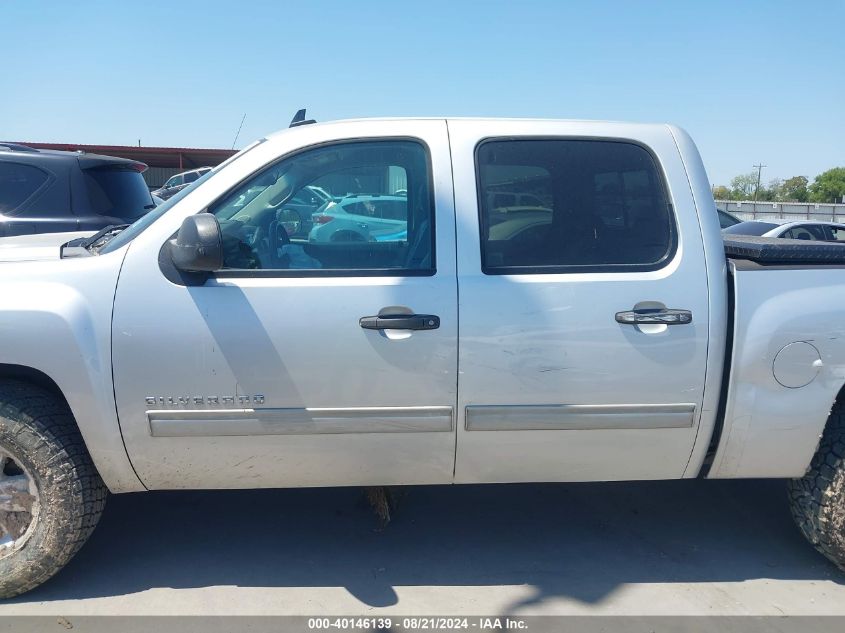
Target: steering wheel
277, 237
291, 219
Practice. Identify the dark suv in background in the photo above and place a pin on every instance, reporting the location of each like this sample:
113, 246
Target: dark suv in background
48, 191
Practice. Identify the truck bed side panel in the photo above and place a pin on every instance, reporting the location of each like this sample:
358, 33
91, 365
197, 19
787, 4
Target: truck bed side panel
789, 330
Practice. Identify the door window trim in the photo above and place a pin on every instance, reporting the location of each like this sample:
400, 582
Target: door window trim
662, 182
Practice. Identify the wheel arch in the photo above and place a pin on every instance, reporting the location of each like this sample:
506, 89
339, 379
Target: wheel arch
115, 478
32, 376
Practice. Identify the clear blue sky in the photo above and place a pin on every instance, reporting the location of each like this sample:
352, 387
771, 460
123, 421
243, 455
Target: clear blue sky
751, 81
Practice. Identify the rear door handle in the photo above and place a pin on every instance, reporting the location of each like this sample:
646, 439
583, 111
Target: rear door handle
664, 316
400, 322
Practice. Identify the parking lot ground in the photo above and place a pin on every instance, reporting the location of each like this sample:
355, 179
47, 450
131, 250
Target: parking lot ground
681, 547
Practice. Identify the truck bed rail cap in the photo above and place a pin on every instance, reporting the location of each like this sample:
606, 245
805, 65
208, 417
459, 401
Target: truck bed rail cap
778, 250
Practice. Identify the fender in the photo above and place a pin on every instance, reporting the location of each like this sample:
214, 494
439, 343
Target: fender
55, 318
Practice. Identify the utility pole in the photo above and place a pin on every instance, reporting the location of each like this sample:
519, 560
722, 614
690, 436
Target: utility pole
757, 188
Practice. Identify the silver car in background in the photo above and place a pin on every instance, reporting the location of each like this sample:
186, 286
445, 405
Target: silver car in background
790, 229
361, 218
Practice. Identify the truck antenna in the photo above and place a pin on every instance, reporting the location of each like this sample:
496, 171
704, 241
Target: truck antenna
238, 133
299, 119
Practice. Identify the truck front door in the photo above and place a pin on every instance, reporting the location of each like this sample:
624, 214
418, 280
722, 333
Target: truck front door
584, 315
301, 363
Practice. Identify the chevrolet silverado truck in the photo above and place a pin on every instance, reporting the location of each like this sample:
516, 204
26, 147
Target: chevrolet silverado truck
600, 331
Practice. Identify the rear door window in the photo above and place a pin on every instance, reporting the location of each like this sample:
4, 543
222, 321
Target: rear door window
603, 206
18, 183
118, 193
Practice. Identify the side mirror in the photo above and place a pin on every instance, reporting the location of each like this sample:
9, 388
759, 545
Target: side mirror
198, 246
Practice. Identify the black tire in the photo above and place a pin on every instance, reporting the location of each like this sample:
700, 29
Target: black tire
818, 498
38, 431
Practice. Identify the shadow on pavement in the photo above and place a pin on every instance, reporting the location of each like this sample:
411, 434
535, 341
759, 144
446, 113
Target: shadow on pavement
564, 540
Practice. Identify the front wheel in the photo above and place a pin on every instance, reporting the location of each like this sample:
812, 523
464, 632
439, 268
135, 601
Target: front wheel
51, 496
818, 498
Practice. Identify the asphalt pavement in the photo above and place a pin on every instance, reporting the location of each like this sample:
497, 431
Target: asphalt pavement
646, 548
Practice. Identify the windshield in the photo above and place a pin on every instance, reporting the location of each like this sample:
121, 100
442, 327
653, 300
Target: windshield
750, 228
134, 230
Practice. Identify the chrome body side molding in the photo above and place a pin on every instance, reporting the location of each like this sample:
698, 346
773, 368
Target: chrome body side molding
299, 421
579, 417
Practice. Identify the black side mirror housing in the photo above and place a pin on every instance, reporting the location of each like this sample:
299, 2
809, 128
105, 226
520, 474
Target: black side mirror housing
198, 246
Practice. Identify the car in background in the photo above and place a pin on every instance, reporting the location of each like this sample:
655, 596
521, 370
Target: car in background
790, 229
361, 218
513, 200
176, 183
727, 219
520, 227
50, 191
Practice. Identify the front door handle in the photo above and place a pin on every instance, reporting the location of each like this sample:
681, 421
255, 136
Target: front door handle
400, 322
663, 316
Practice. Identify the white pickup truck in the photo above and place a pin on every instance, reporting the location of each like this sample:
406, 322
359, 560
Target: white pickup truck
554, 305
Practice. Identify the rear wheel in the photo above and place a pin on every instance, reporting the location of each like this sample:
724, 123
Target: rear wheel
51, 496
818, 498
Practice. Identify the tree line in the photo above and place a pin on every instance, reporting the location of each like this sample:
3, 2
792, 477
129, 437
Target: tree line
828, 186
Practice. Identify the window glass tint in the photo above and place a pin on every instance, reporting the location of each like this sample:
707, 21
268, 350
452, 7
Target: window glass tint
557, 204
813, 232
17, 184
360, 206
531, 201
118, 193
750, 228
191, 176
726, 220
838, 233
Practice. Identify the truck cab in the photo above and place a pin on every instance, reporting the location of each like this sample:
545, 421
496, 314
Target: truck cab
544, 367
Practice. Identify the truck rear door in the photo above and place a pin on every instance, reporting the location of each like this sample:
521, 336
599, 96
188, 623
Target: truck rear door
583, 303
